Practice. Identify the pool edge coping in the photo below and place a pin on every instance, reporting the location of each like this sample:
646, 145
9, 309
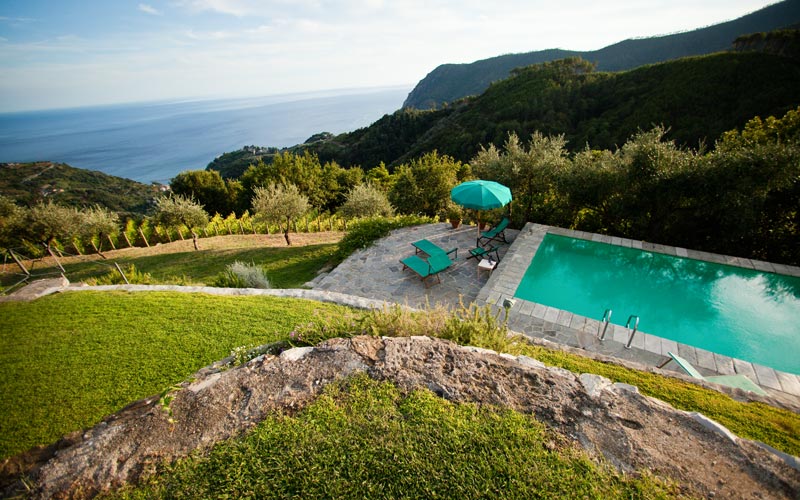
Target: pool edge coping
505, 280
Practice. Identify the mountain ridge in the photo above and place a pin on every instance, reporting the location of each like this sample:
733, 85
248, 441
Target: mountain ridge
697, 98
449, 82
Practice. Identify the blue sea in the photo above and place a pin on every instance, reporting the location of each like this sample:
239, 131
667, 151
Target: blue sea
153, 142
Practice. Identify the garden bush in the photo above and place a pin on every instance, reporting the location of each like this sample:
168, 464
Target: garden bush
365, 232
242, 275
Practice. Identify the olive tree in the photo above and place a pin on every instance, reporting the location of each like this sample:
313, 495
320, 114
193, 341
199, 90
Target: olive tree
279, 203
365, 200
98, 221
11, 217
176, 211
47, 222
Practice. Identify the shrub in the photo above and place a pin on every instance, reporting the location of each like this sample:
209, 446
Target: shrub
466, 325
135, 277
365, 200
242, 275
348, 324
364, 232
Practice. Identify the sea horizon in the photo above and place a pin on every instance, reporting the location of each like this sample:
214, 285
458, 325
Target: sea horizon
154, 141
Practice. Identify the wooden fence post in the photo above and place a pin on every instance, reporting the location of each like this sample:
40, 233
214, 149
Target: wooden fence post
241, 228
19, 262
141, 233
113, 246
50, 251
127, 240
124, 278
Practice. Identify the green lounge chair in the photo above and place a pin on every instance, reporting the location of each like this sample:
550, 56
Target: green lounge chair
480, 252
427, 268
738, 381
432, 248
497, 233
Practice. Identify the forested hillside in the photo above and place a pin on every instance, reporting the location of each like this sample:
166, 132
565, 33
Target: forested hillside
450, 82
696, 99
30, 183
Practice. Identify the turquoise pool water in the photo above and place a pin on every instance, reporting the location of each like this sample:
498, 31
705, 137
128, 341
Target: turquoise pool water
742, 313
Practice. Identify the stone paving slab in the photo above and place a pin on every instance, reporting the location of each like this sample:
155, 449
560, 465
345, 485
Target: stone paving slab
376, 272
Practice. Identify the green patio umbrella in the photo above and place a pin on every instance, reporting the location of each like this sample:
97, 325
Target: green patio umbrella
481, 195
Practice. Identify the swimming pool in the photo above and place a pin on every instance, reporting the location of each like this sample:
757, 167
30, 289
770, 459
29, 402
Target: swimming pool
741, 313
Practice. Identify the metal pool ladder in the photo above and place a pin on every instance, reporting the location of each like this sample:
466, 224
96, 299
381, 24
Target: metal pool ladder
604, 323
633, 332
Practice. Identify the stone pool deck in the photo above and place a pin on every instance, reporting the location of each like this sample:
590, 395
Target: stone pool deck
376, 273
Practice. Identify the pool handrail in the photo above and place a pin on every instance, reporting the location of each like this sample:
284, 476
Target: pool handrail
605, 321
635, 328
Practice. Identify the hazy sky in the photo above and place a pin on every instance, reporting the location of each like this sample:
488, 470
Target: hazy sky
64, 53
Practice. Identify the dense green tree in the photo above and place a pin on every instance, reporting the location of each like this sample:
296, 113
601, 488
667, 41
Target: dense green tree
365, 200
280, 204
177, 210
530, 171
206, 187
380, 177
590, 187
652, 183
424, 185
323, 185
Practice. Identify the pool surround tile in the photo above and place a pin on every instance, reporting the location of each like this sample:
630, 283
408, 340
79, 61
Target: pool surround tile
766, 377
668, 345
790, 383
744, 368
724, 364
705, 359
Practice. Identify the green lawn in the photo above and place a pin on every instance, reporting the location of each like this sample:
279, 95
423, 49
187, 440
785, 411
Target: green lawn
286, 267
363, 439
73, 358
70, 359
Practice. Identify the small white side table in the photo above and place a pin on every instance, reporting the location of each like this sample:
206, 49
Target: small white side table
486, 265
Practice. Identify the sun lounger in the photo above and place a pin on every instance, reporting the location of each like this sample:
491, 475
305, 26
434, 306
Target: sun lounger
427, 268
431, 248
738, 381
480, 252
497, 233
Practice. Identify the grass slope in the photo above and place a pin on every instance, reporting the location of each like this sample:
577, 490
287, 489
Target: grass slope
364, 439
177, 262
69, 360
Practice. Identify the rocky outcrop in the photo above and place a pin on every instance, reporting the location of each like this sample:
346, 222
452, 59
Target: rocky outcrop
609, 420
